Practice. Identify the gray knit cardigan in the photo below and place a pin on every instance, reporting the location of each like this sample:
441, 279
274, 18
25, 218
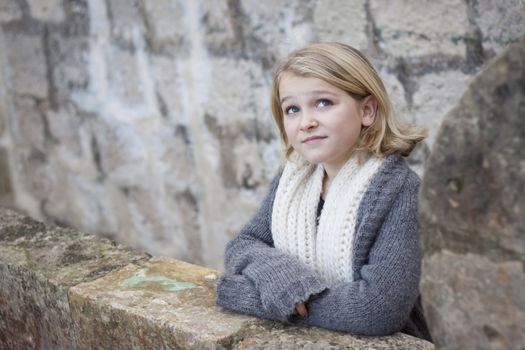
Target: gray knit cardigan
383, 298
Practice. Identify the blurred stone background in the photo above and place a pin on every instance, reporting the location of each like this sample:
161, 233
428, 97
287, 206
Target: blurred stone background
149, 121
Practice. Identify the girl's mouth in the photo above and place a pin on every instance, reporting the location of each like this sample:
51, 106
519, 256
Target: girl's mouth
313, 139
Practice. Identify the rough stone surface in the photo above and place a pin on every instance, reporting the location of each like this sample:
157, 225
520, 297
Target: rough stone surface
37, 266
421, 27
344, 21
47, 10
507, 28
472, 214
27, 68
5, 177
125, 18
34, 313
435, 95
270, 335
164, 304
10, 10
30, 124
165, 21
473, 302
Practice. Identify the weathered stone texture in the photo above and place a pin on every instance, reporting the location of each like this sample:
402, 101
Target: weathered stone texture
27, 72
435, 96
473, 302
275, 336
5, 176
165, 304
37, 266
500, 22
34, 314
30, 124
344, 21
472, 214
291, 28
421, 27
165, 21
47, 10
10, 10
69, 66
168, 81
125, 78
126, 18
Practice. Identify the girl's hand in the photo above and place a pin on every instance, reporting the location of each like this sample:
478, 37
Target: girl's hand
300, 308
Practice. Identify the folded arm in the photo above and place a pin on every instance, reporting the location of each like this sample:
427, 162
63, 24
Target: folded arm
281, 280
380, 300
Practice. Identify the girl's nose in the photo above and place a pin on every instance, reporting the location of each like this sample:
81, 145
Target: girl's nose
309, 123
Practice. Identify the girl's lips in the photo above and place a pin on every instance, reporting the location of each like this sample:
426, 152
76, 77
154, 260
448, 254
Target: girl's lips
313, 139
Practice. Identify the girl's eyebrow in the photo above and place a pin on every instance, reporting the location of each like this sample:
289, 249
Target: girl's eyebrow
314, 92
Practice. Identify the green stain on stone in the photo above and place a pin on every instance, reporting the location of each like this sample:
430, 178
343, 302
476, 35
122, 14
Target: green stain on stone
139, 280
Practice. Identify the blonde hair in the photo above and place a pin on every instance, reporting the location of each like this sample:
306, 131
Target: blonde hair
348, 69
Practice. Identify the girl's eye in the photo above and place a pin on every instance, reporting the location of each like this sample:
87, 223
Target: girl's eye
324, 103
291, 110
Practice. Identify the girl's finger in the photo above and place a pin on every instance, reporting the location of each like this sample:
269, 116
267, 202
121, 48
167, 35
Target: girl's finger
301, 310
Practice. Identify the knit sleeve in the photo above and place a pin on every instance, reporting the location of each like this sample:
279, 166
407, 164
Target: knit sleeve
380, 299
280, 280
237, 293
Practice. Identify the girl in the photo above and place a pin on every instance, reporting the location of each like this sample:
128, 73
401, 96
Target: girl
335, 243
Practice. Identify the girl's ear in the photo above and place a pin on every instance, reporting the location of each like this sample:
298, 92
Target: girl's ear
368, 110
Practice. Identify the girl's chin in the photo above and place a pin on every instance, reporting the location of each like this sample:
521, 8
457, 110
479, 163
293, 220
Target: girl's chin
313, 160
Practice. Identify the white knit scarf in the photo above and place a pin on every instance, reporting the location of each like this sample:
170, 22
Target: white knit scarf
327, 248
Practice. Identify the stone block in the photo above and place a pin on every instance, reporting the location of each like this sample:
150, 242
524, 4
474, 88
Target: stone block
10, 11
472, 213
3, 120
27, 72
344, 21
63, 256
37, 177
47, 10
29, 122
482, 301
417, 28
271, 335
5, 176
236, 91
69, 66
64, 127
126, 18
34, 312
166, 23
161, 305
125, 78
434, 96
119, 148
168, 85
37, 266
500, 22
221, 27
291, 27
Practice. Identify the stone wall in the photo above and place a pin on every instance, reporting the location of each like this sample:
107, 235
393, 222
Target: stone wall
61, 289
472, 220
148, 121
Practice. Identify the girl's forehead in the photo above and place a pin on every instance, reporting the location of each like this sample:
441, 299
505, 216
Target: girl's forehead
293, 84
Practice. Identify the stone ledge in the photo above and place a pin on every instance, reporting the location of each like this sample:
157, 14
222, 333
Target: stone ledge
77, 291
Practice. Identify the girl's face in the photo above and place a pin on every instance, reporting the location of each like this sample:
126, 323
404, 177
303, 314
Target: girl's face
322, 122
